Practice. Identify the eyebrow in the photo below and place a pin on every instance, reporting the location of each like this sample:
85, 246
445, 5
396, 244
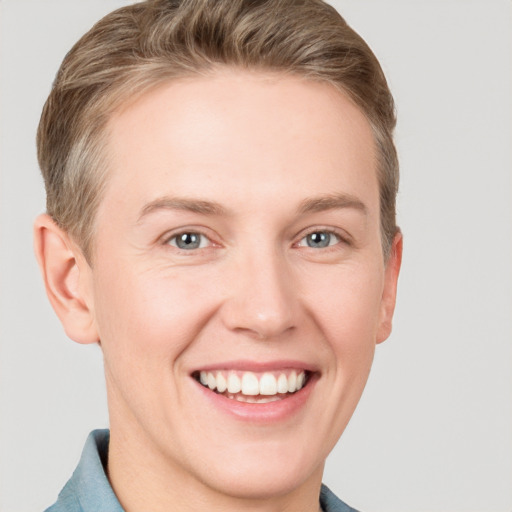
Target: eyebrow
184, 204
332, 202
202, 207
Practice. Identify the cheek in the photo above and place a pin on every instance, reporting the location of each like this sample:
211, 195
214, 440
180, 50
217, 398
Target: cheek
346, 305
150, 314
146, 322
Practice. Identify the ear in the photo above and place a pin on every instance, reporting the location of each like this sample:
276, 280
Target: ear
390, 286
67, 277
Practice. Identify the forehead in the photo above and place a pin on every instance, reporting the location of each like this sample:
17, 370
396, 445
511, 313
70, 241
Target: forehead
254, 131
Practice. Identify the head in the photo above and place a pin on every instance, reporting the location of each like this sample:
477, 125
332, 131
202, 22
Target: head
138, 47
221, 181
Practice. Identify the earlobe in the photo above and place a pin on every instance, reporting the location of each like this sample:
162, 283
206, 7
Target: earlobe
390, 287
65, 273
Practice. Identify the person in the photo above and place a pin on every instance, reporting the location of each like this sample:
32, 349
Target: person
221, 181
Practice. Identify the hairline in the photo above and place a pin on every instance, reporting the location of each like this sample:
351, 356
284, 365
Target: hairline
151, 82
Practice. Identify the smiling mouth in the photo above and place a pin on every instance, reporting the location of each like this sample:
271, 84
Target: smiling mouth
253, 387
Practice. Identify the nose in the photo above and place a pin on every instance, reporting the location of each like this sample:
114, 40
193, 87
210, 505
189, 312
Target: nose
263, 299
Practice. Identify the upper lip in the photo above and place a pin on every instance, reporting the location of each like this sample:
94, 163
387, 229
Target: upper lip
258, 366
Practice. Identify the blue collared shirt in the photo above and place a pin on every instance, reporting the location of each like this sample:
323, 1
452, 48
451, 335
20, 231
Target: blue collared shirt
88, 490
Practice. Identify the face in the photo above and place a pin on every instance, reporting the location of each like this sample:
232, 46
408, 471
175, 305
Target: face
238, 285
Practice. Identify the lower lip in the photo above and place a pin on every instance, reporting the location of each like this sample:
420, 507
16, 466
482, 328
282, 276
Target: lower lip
269, 412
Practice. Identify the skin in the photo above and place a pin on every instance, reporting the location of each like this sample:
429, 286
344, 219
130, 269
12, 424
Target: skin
280, 158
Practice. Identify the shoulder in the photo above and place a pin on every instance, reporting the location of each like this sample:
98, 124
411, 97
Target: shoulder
331, 503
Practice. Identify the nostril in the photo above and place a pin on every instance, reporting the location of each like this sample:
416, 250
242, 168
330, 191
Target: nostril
265, 333
262, 301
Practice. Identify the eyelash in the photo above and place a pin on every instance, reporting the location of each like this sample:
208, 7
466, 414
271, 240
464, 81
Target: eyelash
195, 233
339, 239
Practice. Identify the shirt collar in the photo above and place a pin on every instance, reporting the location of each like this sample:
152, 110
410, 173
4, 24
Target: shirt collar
89, 486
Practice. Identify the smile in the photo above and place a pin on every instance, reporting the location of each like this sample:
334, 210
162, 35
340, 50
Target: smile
253, 387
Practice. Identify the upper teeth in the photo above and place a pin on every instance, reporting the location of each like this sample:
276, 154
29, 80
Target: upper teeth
250, 383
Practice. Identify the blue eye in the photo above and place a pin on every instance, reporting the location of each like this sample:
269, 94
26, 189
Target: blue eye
189, 241
320, 239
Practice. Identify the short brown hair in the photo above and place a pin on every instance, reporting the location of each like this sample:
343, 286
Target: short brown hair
141, 45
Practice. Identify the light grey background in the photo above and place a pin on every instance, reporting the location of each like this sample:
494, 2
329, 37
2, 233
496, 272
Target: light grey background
434, 429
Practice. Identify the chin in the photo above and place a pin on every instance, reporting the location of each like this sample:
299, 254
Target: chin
262, 481
262, 471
